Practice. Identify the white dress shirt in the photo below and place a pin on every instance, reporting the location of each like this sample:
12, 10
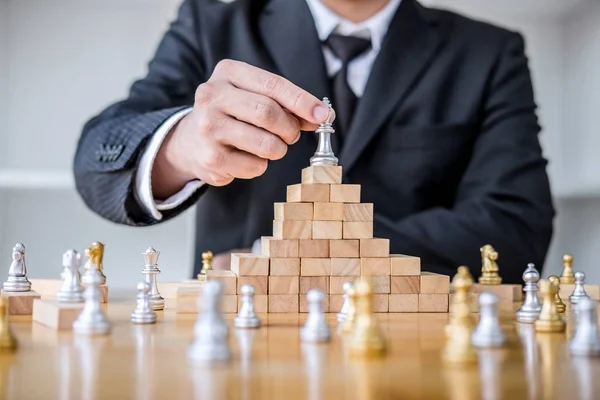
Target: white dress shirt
359, 69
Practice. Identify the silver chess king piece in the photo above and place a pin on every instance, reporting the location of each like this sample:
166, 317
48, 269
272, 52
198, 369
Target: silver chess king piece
143, 313
531, 307
151, 270
586, 342
71, 290
342, 316
247, 317
210, 330
488, 332
324, 154
578, 291
315, 329
92, 320
17, 274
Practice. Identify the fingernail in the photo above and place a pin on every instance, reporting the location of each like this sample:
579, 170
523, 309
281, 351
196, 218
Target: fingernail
321, 113
297, 138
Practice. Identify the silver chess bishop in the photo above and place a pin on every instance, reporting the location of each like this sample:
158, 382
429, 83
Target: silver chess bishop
17, 274
315, 329
578, 291
247, 317
71, 290
143, 313
531, 307
342, 316
324, 154
151, 271
92, 320
488, 332
586, 341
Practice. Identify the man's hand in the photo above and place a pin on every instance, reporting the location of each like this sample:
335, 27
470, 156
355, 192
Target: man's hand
242, 117
222, 261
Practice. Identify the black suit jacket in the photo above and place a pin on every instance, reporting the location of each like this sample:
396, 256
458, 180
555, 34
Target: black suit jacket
444, 140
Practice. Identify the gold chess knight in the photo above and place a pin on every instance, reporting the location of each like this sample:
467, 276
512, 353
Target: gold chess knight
95, 253
489, 266
207, 257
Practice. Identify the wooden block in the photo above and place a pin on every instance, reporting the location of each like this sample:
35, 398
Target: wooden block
361, 212
336, 301
168, 290
261, 303
433, 283
281, 248
328, 212
308, 193
406, 284
404, 303
345, 267
375, 248
55, 315
187, 300
336, 283
243, 264
340, 248
327, 229
292, 229
433, 302
375, 266
46, 287
381, 302
283, 303
345, 193
227, 278
357, 230
506, 292
284, 284
322, 174
381, 284
566, 289
20, 303
285, 267
304, 304
260, 283
473, 300
293, 211
314, 282
402, 265
314, 248
315, 266
229, 303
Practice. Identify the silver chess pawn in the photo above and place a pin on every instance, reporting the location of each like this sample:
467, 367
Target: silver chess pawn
150, 271
488, 332
143, 313
247, 317
342, 316
17, 274
315, 329
92, 320
210, 331
531, 307
578, 291
586, 341
71, 290
324, 154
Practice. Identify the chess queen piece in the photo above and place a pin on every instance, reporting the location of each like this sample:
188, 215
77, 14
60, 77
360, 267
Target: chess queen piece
549, 319
489, 266
567, 272
71, 290
488, 332
324, 154
366, 339
95, 254
8, 342
579, 290
247, 317
92, 320
586, 341
560, 306
315, 329
143, 313
17, 274
151, 270
342, 316
531, 307
207, 257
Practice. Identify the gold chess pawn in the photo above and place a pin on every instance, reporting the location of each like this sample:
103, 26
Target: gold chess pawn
460, 313
207, 257
549, 319
489, 266
96, 254
560, 306
366, 339
8, 342
351, 316
567, 275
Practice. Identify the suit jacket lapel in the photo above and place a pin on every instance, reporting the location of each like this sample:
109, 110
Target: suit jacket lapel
406, 51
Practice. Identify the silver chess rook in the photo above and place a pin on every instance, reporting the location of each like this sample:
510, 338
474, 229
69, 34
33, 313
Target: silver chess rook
71, 290
531, 307
324, 154
150, 271
17, 274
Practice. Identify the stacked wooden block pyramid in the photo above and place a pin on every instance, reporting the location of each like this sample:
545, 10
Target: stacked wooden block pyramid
323, 237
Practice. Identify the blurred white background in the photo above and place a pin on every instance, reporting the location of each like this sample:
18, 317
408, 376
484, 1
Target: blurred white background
62, 61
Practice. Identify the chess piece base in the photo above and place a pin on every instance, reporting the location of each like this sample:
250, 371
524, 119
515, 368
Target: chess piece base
247, 323
97, 327
319, 335
550, 326
143, 318
157, 303
16, 284
527, 317
495, 340
56, 315
486, 280
201, 354
20, 303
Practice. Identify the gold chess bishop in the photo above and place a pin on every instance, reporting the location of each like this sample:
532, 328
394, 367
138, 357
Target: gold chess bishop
489, 266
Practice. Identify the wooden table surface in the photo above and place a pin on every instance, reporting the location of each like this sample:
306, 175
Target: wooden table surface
150, 362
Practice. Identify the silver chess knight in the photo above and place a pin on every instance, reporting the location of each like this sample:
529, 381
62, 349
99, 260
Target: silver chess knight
247, 317
143, 313
531, 307
578, 291
17, 274
342, 316
586, 341
324, 154
488, 332
315, 329
151, 270
71, 290
92, 320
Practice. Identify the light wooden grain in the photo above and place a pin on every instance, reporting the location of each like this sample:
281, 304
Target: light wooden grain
327, 230
285, 266
283, 303
293, 211
55, 315
279, 248
361, 212
345, 266
345, 193
435, 283
315, 266
314, 282
375, 247
284, 284
401, 264
406, 284
307, 193
357, 230
375, 266
344, 248
314, 248
322, 174
260, 283
328, 212
255, 264
227, 278
20, 303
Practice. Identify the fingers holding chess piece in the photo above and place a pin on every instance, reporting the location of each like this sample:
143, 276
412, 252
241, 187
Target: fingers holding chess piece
567, 272
488, 332
247, 317
8, 342
531, 307
366, 339
207, 257
549, 319
17, 274
143, 313
489, 266
315, 329
71, 290
578, 291
586, 341
560, 306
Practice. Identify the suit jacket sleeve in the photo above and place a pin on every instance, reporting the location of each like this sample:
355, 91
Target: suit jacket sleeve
107, 185
504, 197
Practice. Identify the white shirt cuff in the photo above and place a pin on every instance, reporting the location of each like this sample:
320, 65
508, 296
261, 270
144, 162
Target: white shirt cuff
143, 178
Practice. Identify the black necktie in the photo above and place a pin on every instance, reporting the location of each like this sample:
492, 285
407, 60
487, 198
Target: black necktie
346, 48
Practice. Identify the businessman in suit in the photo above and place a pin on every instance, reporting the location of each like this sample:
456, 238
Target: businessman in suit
436, 121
